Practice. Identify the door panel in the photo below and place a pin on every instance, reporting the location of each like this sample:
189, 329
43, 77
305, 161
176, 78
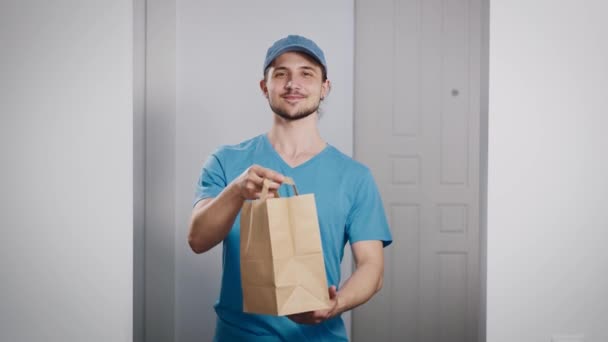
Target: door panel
417, 113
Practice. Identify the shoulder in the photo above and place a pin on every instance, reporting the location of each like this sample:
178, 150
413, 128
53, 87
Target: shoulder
349, 167
224, 152
234, 159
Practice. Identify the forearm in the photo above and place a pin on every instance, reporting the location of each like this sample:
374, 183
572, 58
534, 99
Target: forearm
360, 287
211, 223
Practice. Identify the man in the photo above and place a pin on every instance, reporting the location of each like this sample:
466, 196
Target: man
348, 203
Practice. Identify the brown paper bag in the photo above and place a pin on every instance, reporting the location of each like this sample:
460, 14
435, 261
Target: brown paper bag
282, 269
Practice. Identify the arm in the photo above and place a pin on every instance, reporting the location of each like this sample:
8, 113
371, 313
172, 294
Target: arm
367, 279
212, 218
358, 289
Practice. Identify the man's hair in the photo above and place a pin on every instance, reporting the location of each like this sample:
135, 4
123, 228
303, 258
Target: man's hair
323, 71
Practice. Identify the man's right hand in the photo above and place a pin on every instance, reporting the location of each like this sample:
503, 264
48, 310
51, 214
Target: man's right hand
212, 218
251, 181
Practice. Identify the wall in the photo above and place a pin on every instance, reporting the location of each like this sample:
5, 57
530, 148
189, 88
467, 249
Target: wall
66, 206
220, 51
547, 184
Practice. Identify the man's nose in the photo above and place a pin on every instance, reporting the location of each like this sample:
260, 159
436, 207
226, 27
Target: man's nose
291, 83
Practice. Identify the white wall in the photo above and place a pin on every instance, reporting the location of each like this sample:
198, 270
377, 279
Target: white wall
220, 52
547, 190
66, 174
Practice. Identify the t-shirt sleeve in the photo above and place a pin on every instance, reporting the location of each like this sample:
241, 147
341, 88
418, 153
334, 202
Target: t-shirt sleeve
211, 181
367, 219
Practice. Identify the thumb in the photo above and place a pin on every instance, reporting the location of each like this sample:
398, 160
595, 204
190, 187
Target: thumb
332, 292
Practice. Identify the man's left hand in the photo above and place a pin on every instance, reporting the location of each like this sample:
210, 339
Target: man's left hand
318, 316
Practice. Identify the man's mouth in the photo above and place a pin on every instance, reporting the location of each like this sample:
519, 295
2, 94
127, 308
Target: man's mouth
293, 97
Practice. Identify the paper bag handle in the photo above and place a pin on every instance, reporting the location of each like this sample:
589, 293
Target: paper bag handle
263, 197
286, 180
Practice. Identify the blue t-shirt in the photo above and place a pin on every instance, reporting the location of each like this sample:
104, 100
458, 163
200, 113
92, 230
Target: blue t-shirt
349, 208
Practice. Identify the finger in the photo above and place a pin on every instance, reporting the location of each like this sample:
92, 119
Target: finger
257, 174
259, 184
296, 318
257, 170
269, 195
273, 185
321, 314
250, 186
302, 314
272, 175
316, 316
254, 177
332, 292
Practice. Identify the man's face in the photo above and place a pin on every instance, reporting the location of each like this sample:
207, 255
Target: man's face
294, 86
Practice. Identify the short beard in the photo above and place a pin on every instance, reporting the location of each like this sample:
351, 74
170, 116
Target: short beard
298, 116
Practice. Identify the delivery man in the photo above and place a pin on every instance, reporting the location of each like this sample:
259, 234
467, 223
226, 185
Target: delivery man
348, 202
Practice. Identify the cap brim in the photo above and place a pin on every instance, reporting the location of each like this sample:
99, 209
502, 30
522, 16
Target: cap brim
294, 48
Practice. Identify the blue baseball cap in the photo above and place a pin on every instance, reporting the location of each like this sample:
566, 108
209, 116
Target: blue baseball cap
295, 43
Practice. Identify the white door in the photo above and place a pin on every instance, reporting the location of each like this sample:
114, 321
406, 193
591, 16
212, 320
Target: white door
417, 125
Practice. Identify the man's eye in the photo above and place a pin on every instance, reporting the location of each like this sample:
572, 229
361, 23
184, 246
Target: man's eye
279, 74
307, 74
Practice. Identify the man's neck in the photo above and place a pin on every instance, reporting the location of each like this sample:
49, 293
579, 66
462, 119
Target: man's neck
296, 138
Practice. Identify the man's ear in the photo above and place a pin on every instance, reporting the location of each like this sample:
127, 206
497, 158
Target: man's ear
325, 88
264, 88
